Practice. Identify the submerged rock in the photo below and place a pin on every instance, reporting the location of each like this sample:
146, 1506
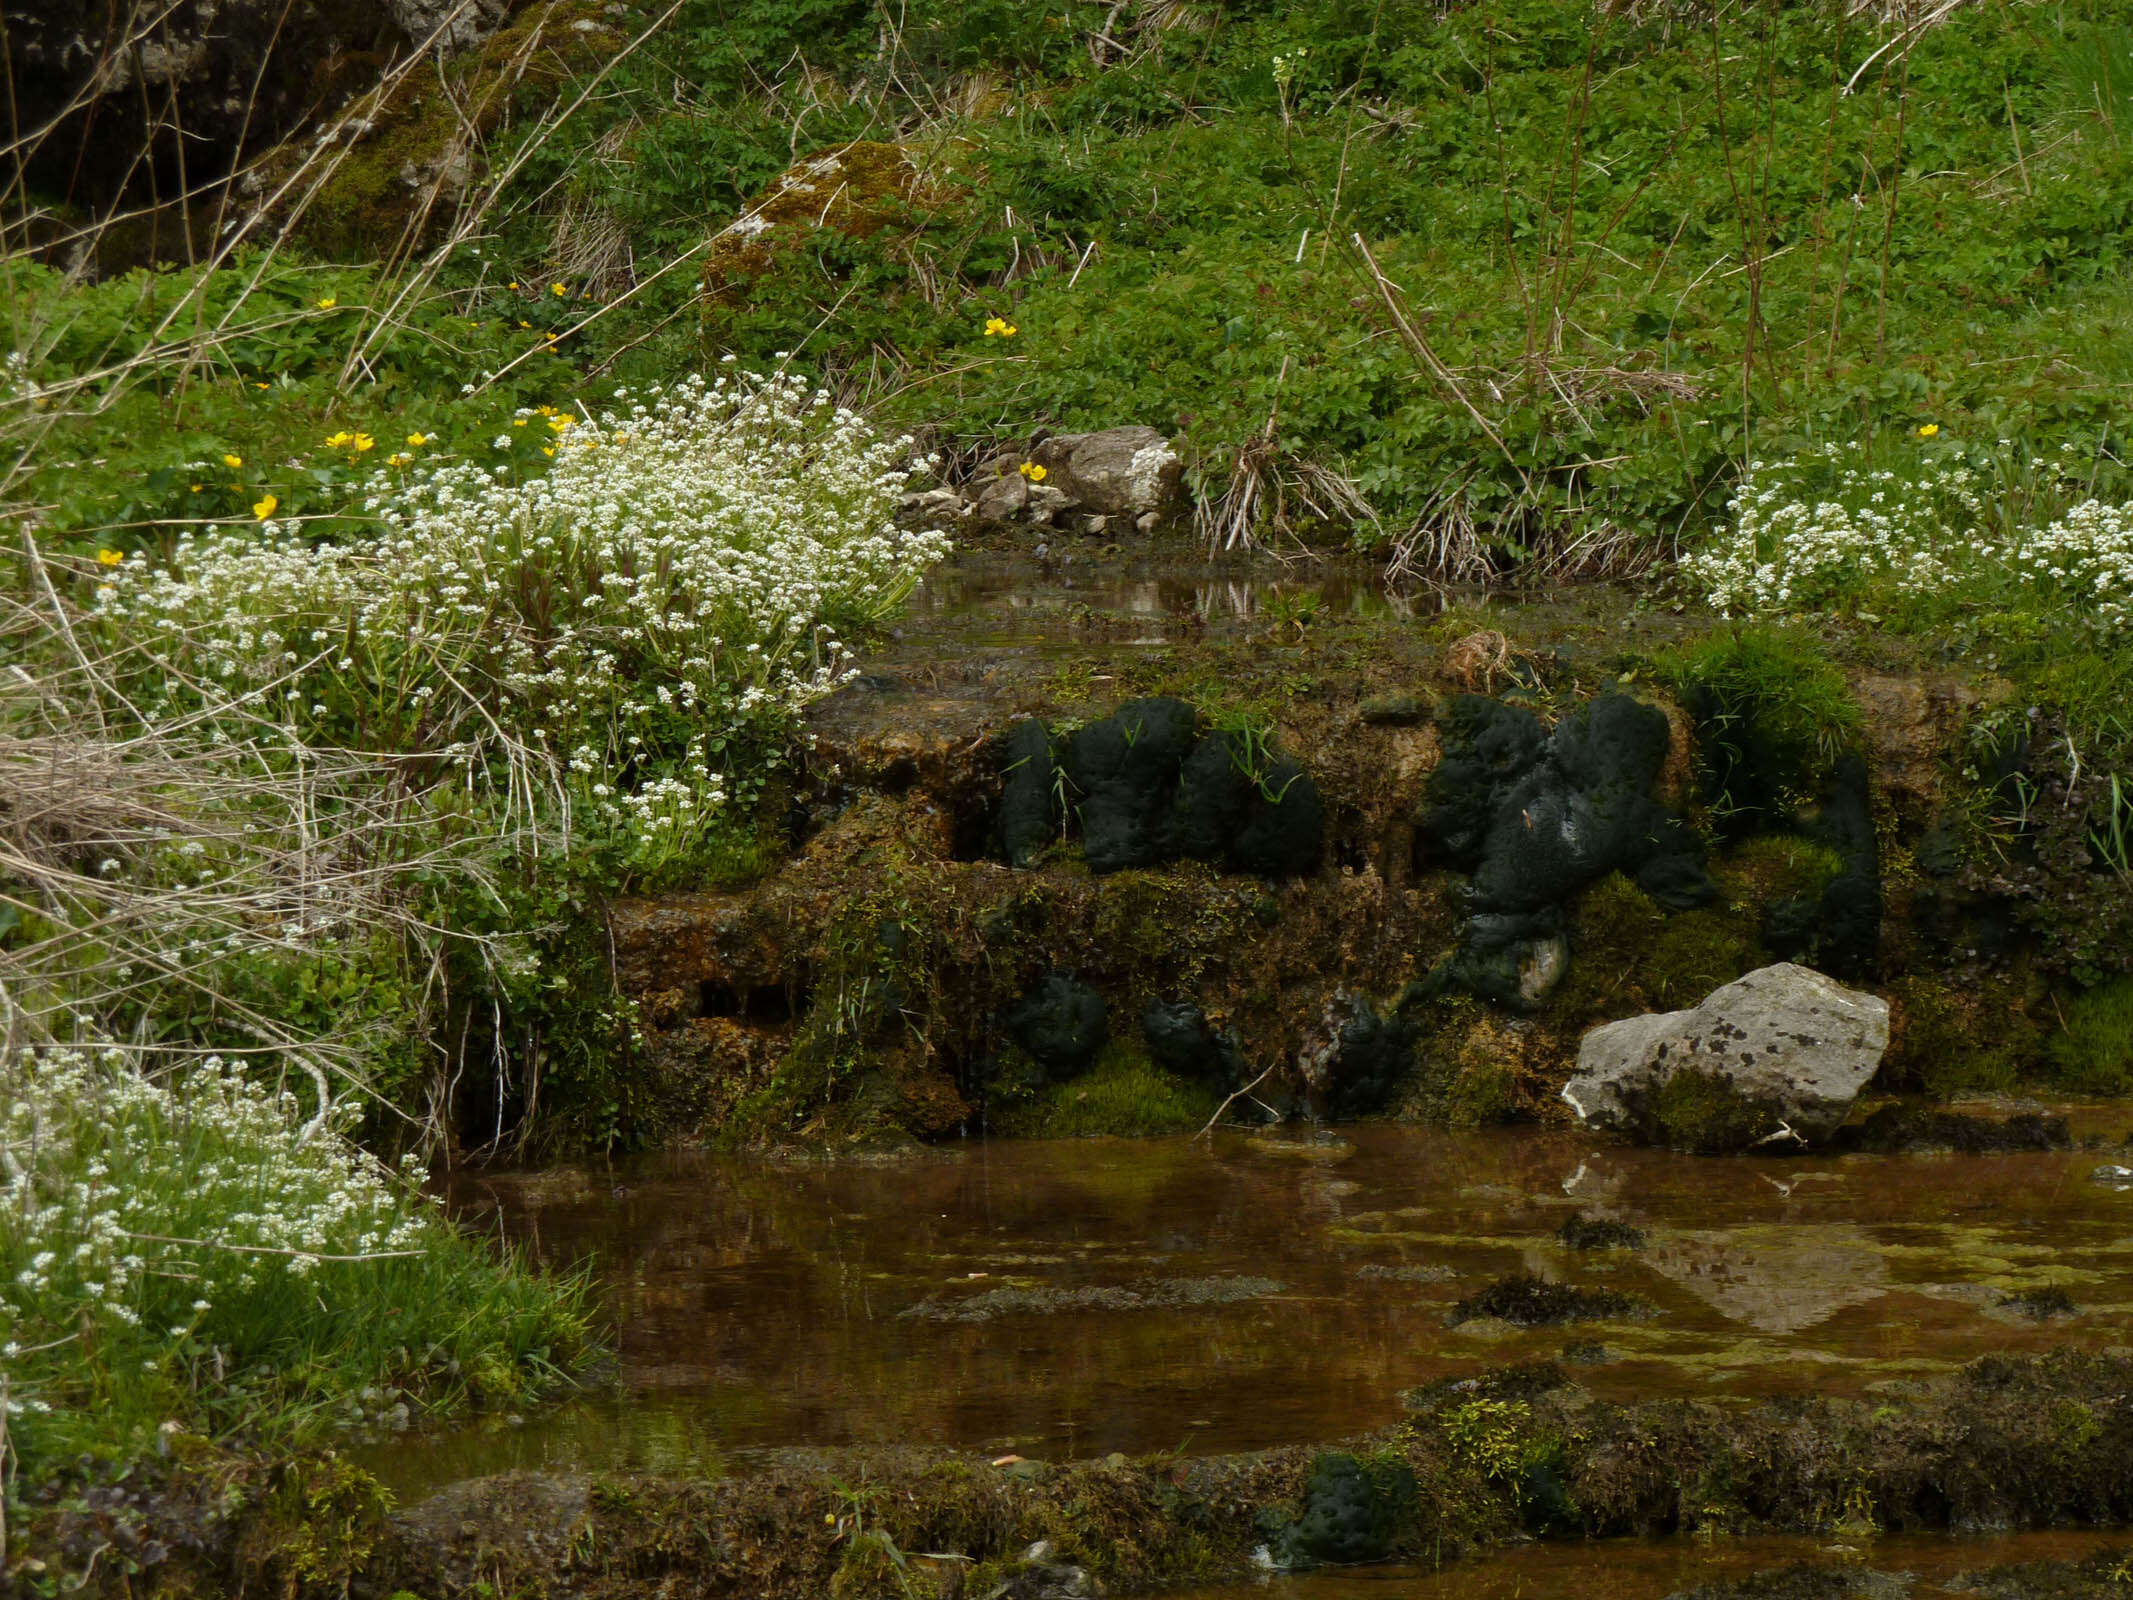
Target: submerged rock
1775, 1057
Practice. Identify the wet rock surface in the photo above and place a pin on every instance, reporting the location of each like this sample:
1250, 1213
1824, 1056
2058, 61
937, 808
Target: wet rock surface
1780, 1054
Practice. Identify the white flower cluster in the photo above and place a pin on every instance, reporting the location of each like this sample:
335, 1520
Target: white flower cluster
1814, 531
1793, 550
138, 1213
683, 572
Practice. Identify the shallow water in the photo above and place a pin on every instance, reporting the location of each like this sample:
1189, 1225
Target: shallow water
1080, 1297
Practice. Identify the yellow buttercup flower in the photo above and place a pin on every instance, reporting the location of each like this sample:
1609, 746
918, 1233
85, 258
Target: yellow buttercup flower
547, 449
326, 302
418, 440
1031, 471
362, 442
233, 462
337, 441
399, 458
999, 328
514, 283
109, 558
562, 422
544, 411
263, 509
518, 422
1930, 429
560, 290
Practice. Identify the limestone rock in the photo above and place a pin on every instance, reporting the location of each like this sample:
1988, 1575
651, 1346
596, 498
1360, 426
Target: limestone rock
1114, 472
1777, 1055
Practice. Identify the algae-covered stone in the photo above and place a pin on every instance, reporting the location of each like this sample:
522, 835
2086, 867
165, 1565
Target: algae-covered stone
1352, 1510
1781, 1053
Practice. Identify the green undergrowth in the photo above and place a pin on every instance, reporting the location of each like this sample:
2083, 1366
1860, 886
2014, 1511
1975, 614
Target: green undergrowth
1123, 1093
188, 1257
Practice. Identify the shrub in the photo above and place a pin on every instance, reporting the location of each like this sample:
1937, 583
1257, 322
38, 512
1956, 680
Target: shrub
192, 1249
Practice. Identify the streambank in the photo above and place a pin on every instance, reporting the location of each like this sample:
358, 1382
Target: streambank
1516, 1454
1093, 844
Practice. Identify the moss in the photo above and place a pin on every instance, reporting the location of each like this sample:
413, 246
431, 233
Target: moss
1949, 1041
1472, 1065
857, 189
2094, 1055
418, 131
1773, 714
1777, 866
1628, 956
1123, 1093
1702, 1113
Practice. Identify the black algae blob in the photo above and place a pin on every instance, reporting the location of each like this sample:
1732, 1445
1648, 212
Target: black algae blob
1536, 817
1061, 1023
1371, 1057
1352, 1511
1181, 1041
1029, 793
1125, 769
1285, 822
1148, 790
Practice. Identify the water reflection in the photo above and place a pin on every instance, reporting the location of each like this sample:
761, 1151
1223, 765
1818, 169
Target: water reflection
758, 1306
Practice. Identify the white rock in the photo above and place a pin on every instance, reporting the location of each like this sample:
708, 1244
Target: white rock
1792, 1046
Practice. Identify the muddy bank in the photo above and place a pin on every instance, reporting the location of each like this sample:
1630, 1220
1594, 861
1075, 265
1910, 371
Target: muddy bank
2003, 1444
1088, 850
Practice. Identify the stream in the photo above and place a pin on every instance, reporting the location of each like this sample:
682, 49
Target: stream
1066, 1299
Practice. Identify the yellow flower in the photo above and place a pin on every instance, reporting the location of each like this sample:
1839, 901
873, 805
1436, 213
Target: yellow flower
544, 411
362, 442
263, 509
399, 458
336, 441
108, 558
518, 422
233, 462
560, 290
1929, 430
418, 440
547, 449
262, 385
999, 328
1031, 471
562, 422
514, 283
326, 302
523, 323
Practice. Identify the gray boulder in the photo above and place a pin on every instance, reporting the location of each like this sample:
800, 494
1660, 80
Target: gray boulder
1775, 1058
1117, 472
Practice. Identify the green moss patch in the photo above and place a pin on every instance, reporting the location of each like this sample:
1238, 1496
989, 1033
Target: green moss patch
1123, 1093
